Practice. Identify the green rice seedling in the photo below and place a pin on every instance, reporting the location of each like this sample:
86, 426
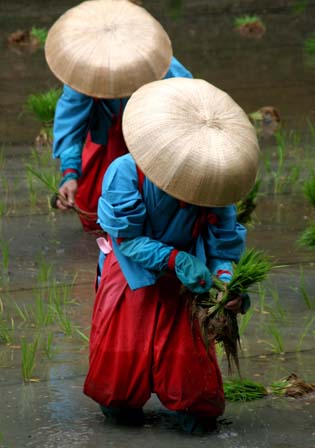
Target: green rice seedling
292, 386
219, 350
311, 128
48, 345
24, 312
216, 322
29, 351
5, 329
262, 297
51, 183
31, 190
249, 26
307, 238
45, 269
277, 345
278, 387
4, 247
175, 8
245, 20
239, 389
60, 295
64, 320
4, 201
299, 6
244, 321
279, 173
5, 332
42, 312
3, 208
47, 178
309, 188
309, 301
309, 45
40, 34
246, 206
307, 329
277, 311
40, 159
43, 106
82, 335
2, 158
294, 175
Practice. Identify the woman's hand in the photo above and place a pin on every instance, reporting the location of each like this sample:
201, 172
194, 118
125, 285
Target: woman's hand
234, 305
68, 192
239, 304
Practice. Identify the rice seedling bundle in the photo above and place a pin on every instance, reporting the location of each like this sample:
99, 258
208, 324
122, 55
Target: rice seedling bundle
243, 390
292, 386
217, 323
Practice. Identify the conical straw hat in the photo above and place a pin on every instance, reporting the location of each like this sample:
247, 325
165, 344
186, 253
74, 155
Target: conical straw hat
192, 141
107, 48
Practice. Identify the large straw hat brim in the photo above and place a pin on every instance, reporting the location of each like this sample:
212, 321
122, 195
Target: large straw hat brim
108, 48
192, 141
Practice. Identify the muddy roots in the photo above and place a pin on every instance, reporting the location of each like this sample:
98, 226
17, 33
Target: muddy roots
220, 326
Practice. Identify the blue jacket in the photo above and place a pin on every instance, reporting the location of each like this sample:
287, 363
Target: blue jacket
76, 114
125, 212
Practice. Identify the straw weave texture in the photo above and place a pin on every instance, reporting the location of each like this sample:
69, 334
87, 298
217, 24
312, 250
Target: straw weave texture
107, 48
192, 140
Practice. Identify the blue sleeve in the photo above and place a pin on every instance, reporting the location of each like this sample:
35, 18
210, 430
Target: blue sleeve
121, 210
71, 127
177, 70
225, 240
122, 213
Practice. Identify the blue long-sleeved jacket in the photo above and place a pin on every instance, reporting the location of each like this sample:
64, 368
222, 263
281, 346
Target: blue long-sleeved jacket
76, 114
125, 212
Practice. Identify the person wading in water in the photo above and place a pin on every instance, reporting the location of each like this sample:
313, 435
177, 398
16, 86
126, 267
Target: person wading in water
102, 50
167, 211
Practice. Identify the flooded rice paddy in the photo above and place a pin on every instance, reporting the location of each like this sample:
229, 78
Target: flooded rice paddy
47, 262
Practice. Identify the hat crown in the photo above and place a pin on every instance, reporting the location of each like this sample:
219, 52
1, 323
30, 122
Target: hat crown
107, 48
192, 140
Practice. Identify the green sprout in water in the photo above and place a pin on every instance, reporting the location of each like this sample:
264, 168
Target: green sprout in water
309, 45
308, 300
309, 52
243, 390
246, 206
5, 329
40, 34
245, 20
279, 387
29, 350
250, 26
309, 189
299, 6
43, 105
307, 238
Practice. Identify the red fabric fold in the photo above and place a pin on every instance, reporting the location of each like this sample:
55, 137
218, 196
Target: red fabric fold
145, 341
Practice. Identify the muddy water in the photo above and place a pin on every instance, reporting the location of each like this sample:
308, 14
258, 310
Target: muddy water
51, 259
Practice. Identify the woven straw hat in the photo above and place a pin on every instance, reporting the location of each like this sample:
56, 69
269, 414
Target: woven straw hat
107, 48
192, 141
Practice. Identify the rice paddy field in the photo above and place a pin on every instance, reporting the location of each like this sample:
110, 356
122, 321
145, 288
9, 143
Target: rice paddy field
261, 53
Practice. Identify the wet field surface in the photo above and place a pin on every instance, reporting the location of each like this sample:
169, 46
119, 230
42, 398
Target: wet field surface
47, 263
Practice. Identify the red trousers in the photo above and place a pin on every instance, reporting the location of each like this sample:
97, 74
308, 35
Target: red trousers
95, 160
144, 341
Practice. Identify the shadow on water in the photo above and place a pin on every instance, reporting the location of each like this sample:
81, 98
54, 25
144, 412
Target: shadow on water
47, 265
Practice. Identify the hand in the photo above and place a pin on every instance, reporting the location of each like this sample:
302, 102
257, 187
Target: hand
68, 192
192, 272
239, 304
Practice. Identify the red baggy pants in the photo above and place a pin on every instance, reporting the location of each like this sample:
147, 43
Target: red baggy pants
95, 160
143, 341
